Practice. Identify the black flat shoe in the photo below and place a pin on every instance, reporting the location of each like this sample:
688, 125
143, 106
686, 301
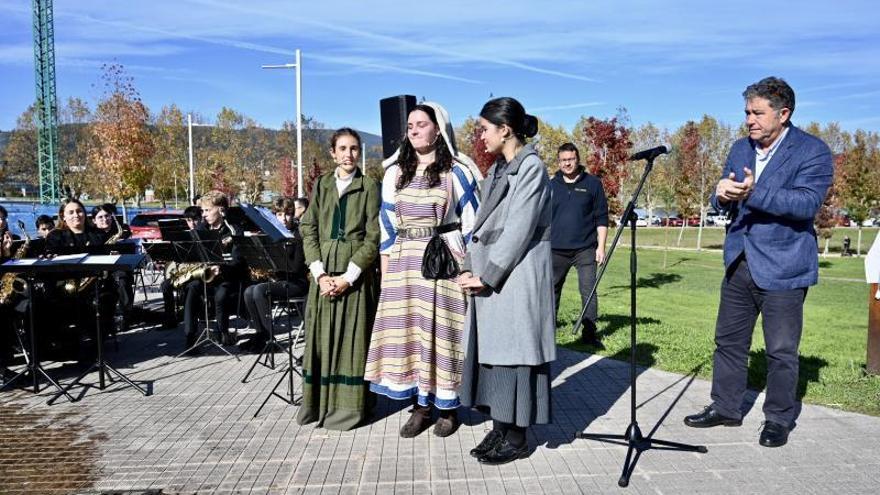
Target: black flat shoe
773, 435
503, 453
709, 418
489, 442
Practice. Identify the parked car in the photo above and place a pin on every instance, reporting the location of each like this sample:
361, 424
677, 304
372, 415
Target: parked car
146, 225
671, 222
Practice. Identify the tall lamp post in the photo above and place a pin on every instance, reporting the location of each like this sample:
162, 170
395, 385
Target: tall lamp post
192, 176
298, 66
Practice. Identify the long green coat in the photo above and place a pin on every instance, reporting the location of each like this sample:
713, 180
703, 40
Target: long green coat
337, 230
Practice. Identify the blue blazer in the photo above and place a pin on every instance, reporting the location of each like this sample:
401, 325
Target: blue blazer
774, 225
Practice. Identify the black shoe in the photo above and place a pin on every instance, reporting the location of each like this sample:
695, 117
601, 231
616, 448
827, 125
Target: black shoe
773, 435
489, 442
503, 453
709, 418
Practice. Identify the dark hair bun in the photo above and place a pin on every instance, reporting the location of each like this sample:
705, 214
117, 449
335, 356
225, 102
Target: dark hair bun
530, 125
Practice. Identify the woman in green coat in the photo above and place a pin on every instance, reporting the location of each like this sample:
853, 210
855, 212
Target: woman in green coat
341, 242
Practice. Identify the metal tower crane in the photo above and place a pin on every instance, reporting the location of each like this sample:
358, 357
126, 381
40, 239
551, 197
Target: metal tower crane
46, 106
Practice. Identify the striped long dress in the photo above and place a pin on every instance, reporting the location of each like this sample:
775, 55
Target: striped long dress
416, 348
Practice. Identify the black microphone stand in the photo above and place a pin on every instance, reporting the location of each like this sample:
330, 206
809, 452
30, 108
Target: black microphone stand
633, 437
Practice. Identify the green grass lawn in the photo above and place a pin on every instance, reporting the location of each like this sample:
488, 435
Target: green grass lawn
676, 320
713, 237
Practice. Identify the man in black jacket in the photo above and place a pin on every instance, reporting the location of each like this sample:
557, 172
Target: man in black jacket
578, 231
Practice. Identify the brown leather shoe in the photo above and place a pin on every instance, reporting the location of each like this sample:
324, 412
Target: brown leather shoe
419, 421
446, 424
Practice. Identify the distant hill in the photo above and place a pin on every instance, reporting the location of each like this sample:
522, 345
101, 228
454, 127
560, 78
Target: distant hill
321, 135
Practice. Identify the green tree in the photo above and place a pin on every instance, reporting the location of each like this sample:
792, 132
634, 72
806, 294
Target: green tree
74, 148
714, 144
858, 180
20, 154
170, 162
547, 143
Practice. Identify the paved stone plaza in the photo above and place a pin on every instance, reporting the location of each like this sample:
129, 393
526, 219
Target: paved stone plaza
197, 434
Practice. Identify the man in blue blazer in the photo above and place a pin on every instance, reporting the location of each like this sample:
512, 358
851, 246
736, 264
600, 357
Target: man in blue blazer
773, 184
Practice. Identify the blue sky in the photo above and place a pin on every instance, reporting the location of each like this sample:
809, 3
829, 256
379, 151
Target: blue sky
666, 62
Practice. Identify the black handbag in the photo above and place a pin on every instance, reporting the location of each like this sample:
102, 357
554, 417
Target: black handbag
438, 262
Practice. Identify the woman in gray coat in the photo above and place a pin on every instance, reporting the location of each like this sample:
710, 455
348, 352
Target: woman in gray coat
510, 327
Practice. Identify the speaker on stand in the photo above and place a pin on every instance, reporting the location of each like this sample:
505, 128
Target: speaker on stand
394, 111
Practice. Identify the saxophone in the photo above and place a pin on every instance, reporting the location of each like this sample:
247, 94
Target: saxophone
181, 273
80, 285
11, 283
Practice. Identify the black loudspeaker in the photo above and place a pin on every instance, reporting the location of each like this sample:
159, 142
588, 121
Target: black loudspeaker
394, 111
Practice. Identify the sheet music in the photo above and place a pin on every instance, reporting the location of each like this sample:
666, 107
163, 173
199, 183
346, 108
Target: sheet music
21, 262
101, 259
68, 258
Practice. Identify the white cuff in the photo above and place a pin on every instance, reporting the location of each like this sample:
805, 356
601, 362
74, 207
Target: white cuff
352, 273
317, 269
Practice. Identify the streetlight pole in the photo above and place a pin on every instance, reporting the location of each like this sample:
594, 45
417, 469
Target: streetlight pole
298, 66
192, 180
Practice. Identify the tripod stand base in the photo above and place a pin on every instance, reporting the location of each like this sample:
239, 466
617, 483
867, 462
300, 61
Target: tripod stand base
637, 443
203, 339
289, 399
35, 371
266, 357
102, 368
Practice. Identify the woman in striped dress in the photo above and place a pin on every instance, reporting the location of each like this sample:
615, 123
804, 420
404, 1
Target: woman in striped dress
416, 346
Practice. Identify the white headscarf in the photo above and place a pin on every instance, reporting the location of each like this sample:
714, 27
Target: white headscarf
448, 134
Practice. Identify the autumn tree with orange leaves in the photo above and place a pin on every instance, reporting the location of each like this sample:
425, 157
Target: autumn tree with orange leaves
122, 141
607, 150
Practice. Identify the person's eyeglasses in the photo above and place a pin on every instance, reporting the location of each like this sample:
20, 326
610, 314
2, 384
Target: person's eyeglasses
567, 160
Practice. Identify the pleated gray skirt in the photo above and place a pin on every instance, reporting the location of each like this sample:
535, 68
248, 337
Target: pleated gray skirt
514, 394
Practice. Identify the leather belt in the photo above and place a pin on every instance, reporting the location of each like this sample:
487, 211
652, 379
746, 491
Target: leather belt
424, 232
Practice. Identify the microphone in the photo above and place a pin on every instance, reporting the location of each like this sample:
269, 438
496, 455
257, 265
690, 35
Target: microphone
650, 154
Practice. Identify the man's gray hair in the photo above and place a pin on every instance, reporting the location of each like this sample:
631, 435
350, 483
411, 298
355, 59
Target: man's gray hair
773, 89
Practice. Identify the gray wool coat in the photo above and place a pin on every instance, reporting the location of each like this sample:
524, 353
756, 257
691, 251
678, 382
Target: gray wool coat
510, 251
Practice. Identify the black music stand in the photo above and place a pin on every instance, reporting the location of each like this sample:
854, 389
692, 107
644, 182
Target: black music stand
633, 437
33, 367
207, 250
290, 369
173, 229
260, 254
104, 264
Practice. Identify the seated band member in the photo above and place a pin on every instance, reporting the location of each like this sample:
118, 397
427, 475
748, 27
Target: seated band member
6, 331
193, 217
223, 281
6, 236
44, 225
73, 301
105, 223
293, 283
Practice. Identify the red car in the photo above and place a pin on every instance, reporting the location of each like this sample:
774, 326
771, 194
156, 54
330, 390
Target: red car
146, 225
671, 222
